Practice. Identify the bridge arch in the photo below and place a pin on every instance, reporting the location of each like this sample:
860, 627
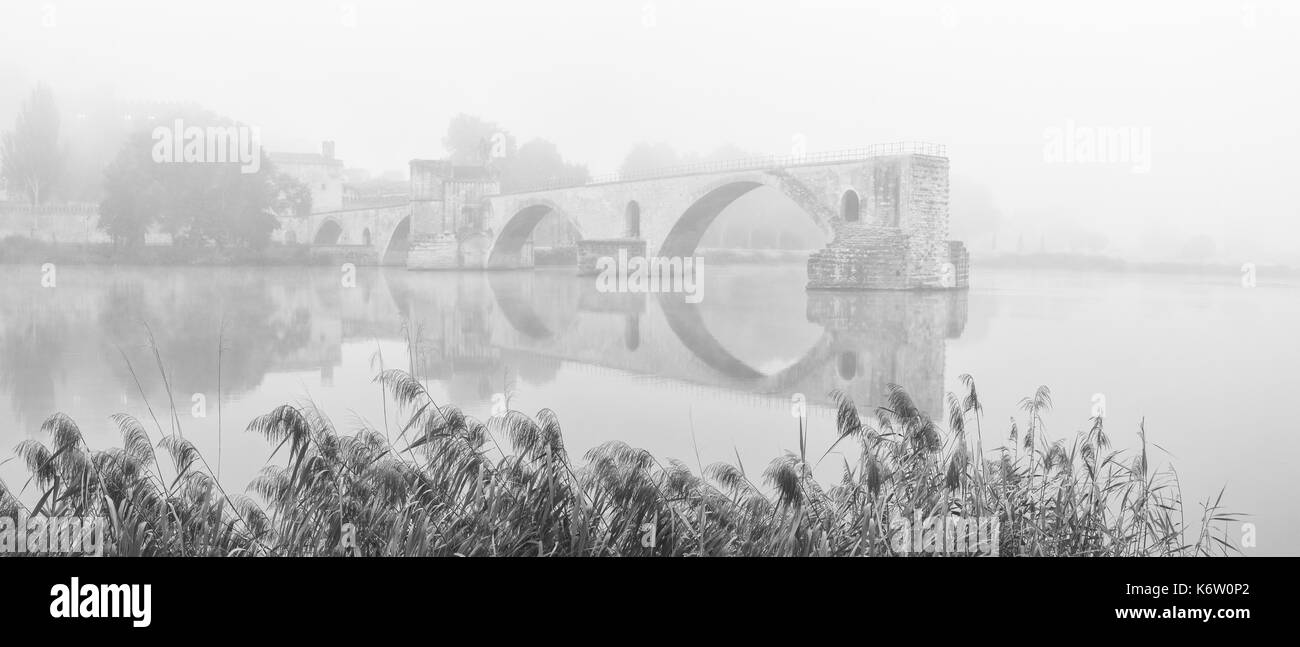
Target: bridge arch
508, 246
393, 251
329, 233
690, 226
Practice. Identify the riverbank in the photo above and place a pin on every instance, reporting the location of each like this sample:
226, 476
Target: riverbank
1098, 263
21, 250
439, 482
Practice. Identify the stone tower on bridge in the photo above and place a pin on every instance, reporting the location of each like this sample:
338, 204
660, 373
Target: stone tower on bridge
892, 230
449, 224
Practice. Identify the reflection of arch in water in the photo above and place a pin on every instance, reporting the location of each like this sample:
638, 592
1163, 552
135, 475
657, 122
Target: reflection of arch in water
515, 295
516, 305
686, 322
869, 340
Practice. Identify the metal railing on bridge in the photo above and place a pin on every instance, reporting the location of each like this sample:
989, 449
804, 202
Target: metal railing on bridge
748, 164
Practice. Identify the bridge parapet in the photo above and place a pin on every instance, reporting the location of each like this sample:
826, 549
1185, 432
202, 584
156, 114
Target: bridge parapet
759, 163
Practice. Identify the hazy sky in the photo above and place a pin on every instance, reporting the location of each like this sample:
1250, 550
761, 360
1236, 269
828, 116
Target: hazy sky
1215, 85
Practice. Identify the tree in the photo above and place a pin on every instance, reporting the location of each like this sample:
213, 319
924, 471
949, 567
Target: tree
646, 157
225, 207
218, 204
728, 152
197, 203
539, 161
32, 155
473, 140
292, 198
132, 202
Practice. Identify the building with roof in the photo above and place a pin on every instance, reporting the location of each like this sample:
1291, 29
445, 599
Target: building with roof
322, 173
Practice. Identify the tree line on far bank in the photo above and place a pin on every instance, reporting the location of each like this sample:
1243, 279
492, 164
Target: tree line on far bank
199, 205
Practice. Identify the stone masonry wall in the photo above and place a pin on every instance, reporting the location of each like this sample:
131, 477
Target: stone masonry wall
433, 253
899, 242
960, 259
590, 251
926, 195
862, 259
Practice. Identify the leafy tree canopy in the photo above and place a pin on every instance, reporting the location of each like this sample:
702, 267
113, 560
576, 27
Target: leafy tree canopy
205, 203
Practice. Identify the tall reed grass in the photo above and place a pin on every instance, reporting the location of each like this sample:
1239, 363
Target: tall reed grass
444, 483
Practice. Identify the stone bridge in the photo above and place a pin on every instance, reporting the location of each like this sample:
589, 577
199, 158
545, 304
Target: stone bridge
374, 234
884, 210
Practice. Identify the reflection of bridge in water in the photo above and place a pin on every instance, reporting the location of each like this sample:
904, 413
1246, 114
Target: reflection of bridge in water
473, 328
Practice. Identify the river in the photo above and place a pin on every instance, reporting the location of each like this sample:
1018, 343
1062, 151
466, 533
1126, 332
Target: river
1202, 360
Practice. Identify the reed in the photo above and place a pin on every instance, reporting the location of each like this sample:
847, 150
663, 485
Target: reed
448, 484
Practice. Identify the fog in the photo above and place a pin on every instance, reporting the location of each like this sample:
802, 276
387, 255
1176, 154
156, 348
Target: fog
1212, 84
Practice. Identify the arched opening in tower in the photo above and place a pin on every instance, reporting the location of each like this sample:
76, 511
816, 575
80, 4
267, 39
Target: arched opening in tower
850, 206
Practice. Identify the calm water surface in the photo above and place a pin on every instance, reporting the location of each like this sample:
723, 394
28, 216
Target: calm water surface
1187, 355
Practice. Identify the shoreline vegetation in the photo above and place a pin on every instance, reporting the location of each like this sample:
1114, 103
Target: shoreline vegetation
1097, 263
435, 481
19, 249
